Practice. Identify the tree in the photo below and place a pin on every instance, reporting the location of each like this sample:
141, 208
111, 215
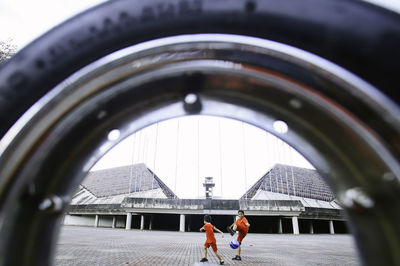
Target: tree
7, 50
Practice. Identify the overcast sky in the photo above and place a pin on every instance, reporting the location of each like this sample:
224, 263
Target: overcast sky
24, 20
183, 151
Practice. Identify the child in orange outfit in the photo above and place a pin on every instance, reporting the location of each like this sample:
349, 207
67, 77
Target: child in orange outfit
242, 226
210, 241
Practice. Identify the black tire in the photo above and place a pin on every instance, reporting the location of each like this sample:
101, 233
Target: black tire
358, 36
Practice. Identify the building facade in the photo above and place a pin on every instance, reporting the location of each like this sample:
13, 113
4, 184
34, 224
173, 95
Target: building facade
286, 199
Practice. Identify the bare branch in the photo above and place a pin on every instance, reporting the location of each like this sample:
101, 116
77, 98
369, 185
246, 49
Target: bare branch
7, 50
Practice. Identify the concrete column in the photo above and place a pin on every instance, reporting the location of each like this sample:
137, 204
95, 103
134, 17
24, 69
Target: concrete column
151, 222
113, 222
141, 222
280, 229
331, 229
96, 221
295, 223
311, 227
182, 223
128, 223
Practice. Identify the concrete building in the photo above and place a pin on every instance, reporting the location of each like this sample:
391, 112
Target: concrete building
286, 199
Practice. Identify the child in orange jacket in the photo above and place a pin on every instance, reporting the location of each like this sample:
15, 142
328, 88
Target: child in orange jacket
210, 241
242, 226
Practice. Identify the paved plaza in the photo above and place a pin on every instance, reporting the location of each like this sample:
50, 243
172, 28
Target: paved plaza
105, 246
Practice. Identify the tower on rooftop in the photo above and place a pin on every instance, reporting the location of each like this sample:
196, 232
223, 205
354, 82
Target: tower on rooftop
209, 184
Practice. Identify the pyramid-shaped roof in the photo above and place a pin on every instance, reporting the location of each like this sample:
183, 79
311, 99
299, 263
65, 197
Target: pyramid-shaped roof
292, 181
124, 180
